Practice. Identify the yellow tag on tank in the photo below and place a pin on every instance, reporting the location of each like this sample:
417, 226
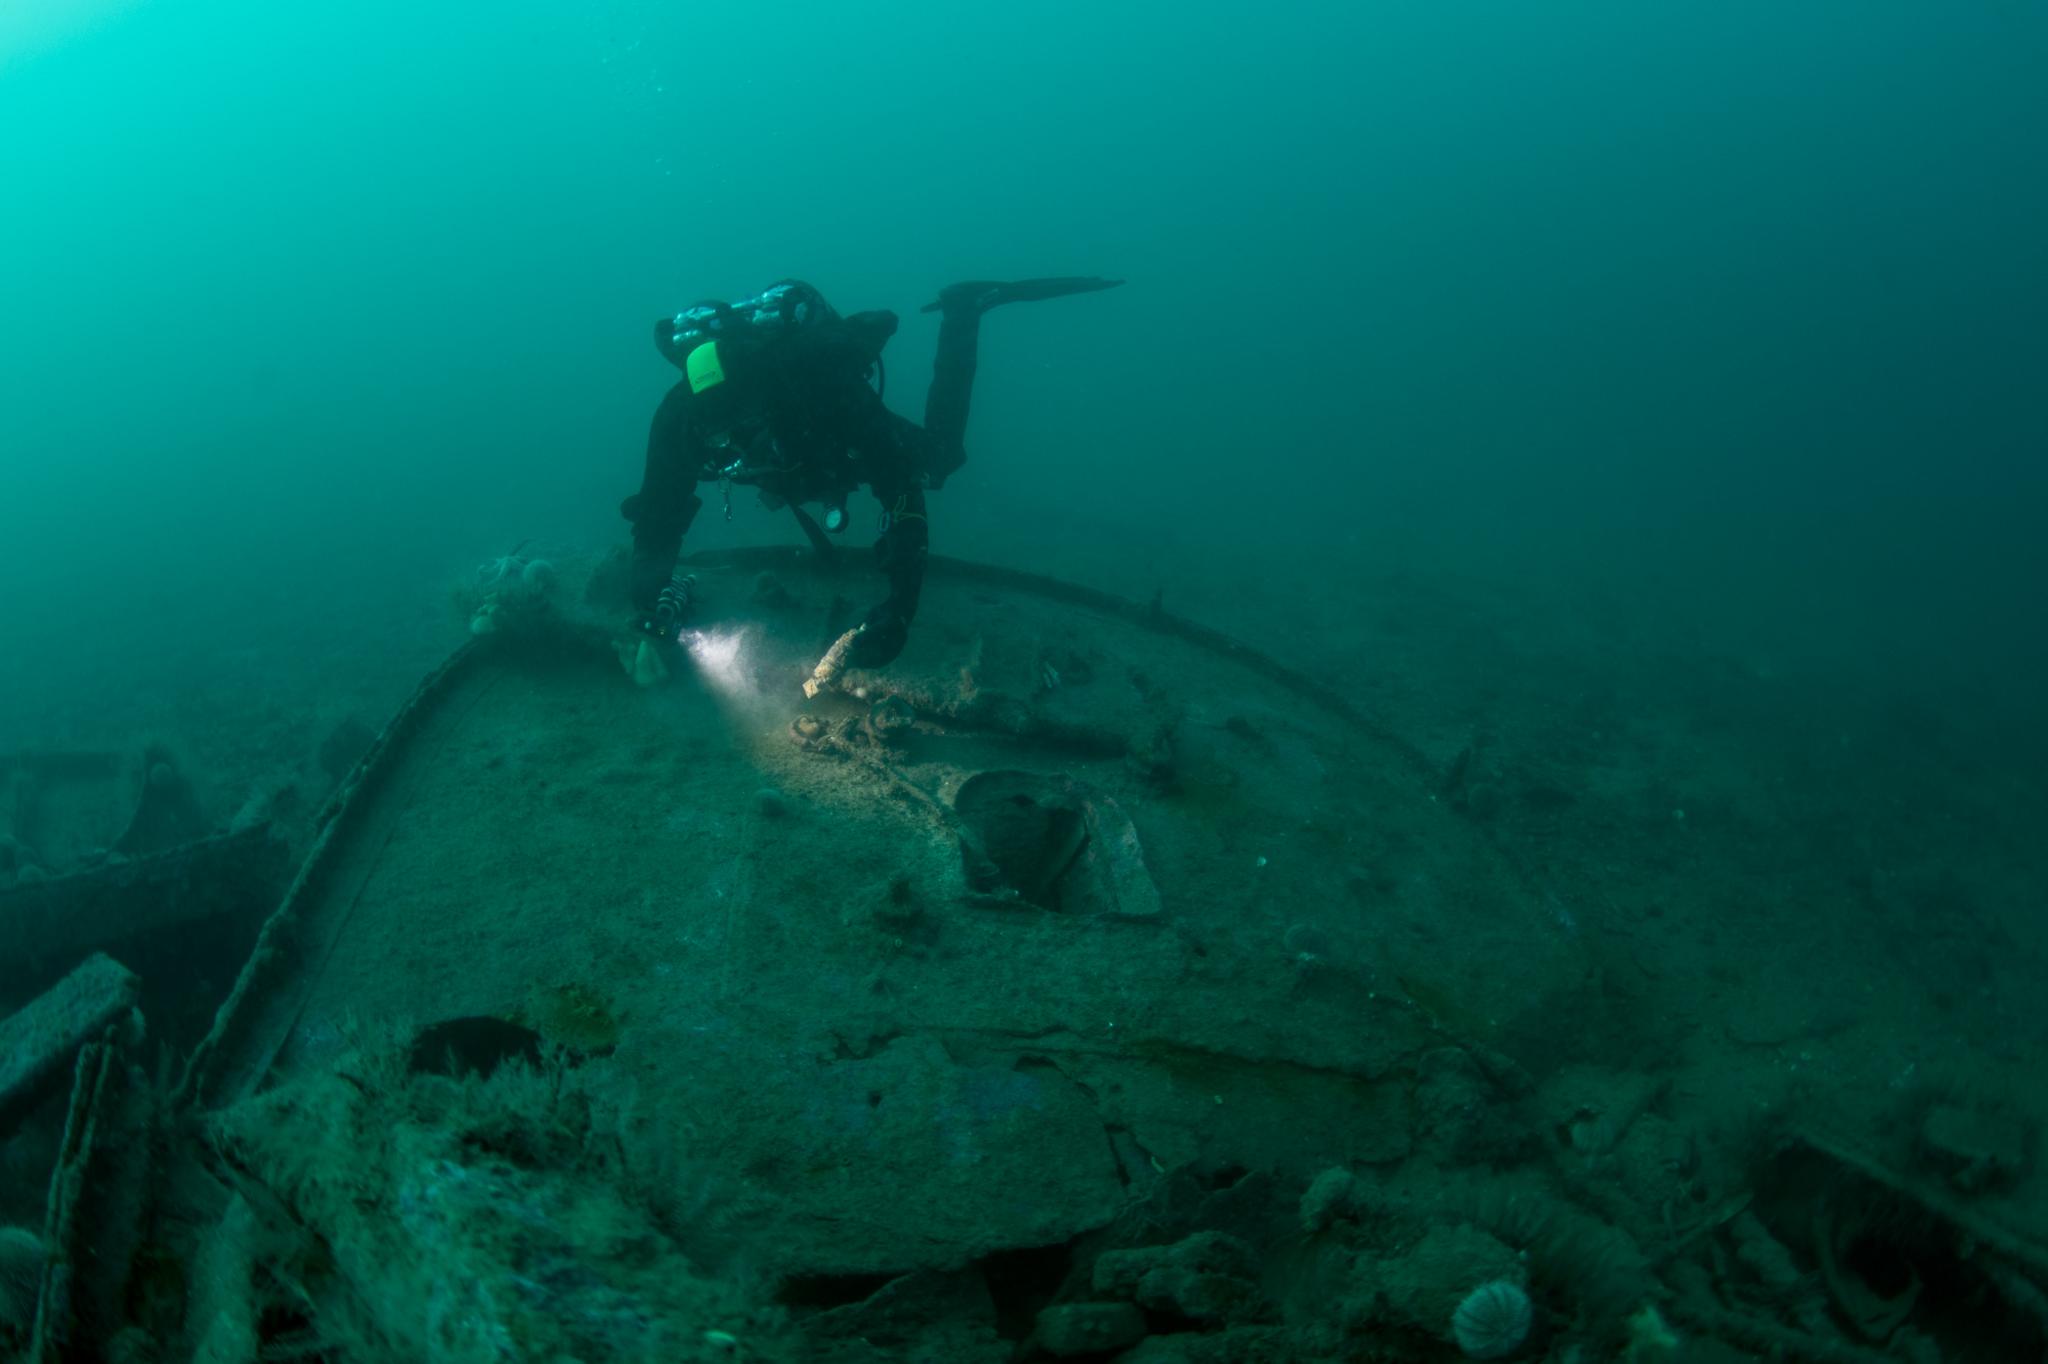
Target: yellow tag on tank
702, 367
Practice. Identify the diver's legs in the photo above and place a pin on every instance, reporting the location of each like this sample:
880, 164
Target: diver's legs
961, 306
983, 294
945, 404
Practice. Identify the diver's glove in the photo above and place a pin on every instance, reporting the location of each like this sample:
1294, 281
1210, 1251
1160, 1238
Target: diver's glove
881, 637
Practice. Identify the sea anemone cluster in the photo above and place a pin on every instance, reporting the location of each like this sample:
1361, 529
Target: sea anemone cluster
508, 591
1493, 1320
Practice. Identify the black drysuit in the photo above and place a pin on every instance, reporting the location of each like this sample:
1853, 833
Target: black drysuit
810, 428
821, 431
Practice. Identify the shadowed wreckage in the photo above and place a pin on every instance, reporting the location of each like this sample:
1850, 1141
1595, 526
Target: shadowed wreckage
1084, 984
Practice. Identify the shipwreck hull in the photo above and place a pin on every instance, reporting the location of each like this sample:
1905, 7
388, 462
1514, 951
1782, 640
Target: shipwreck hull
956, 958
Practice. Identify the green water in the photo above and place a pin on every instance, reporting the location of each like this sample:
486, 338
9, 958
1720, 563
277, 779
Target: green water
1634, 418
307, 303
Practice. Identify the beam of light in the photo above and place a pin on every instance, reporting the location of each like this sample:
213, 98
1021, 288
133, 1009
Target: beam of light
720, 659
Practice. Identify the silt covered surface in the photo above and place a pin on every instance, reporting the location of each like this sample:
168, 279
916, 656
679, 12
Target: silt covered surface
956, 958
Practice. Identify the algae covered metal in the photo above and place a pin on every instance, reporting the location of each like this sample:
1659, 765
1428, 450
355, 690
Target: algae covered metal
951, 958
1083, 984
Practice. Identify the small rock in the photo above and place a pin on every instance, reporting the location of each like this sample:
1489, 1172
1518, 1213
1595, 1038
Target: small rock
1206, 1277
1085, 1328
1335, 1196
769, 803
539, 577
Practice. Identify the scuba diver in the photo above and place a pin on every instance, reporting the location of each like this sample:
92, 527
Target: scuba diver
782, 393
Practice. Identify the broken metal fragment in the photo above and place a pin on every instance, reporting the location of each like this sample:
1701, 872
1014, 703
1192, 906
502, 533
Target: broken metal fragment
37, 1043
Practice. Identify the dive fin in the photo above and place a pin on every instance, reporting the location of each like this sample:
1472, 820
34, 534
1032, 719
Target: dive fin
979, 295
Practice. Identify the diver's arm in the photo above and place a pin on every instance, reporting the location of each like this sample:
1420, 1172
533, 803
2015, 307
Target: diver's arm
661, 512
902, 550
901, 555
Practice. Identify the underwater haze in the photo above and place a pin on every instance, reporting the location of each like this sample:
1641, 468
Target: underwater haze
1737, 310
1471, 776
